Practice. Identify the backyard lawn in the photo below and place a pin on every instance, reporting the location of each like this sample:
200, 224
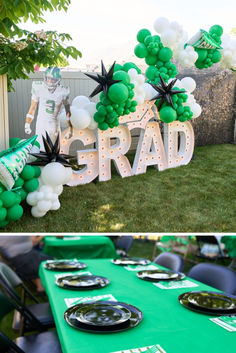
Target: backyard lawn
199, 197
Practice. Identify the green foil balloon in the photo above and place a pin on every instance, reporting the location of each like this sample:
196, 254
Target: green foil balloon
13, 161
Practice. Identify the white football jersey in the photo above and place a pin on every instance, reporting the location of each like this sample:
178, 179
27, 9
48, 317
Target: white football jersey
49, 106
49, 103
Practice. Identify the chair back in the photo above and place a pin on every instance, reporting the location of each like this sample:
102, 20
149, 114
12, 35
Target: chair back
9, 277
124, 243
169, 260
217, 276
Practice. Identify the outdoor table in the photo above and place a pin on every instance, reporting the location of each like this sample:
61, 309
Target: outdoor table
165, 321
81, 247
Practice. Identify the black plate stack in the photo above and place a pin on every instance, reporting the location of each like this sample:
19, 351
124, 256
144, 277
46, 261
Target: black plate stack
64, 265
103, 316
82, 282
131, 261
210, 303
160, 275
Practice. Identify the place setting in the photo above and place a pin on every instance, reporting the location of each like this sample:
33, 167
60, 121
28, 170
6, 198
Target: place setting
124, 261
64, 265
209, 303
103, 316
82, 282
160, 275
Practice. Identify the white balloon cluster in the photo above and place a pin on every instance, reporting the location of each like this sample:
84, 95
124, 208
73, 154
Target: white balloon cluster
189, 84
173, 36
228, 52
138, 81
51, 181
82, 112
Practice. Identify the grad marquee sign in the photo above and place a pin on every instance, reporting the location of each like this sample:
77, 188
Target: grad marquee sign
151, 149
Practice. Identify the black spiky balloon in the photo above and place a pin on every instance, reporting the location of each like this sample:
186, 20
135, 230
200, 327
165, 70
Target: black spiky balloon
105, 80
51, 154
165, 92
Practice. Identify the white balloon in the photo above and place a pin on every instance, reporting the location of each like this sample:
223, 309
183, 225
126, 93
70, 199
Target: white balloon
48, 196
31, 198
80, 101
55, 205
46, 188
68, 175
93, 124
132, 73
196, 109
91, 108
53, 174
189, 84
161, 24
36, 213
40, 195
149, 91
44, 206
169, 38
140, 79
58, 189
54, 197
139, 99
176, 26
80, 119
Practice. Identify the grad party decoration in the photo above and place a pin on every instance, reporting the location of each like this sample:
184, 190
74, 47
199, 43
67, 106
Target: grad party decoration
55, 172
13, 161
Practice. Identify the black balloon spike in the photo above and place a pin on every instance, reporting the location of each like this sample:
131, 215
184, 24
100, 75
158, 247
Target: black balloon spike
105, 80
165, 92
51, 154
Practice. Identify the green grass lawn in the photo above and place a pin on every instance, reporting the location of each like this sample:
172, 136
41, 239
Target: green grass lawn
199, 197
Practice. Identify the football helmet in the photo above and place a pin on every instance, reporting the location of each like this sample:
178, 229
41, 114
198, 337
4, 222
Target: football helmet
52, 77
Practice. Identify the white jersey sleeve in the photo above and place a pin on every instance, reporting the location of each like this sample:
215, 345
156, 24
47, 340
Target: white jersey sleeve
35, 91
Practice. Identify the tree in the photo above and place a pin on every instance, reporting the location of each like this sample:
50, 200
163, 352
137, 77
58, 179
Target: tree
20, 49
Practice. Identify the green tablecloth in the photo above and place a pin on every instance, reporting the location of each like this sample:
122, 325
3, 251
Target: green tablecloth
81, 247
165, 321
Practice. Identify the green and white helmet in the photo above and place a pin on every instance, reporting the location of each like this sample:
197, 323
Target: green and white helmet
52, 77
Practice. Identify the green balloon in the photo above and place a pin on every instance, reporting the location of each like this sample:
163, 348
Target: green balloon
130, 65
103, 126
22, 193
31, 185
118, 93
27, 173
117, 67
148, 40
217, 29
37, 171
140, 50
14, 213
122, 76
4, 223
13, 141
1, 203
102, 110
19, 182
142, 34
151, 72
165, 54
216, 56
151, 60
18, 198
202, 54
3, 214
98, 118
8, 198
167, 114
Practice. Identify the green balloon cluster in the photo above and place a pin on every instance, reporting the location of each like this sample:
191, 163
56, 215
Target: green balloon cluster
208, 57
10, 208
118, 101
180, 112
156, 56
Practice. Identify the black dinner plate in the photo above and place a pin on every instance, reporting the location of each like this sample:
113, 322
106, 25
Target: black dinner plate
71, 315
207, 302
100, 314
160, 275
64, 265
131, 261
82, 282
